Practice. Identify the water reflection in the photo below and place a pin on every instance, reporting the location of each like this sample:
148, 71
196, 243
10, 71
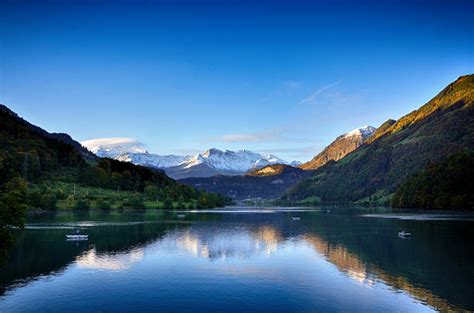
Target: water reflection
353, 267
365, 250
340, 257
111, 262
216, 243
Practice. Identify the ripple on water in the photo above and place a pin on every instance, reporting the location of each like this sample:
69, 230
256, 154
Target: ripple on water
424, 217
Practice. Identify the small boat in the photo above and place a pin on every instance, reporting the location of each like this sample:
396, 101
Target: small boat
296, 218
404, 234
181, 216
77, 236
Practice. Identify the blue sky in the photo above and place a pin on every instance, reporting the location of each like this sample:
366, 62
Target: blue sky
279, 77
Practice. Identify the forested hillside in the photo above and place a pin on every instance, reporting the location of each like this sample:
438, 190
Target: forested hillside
446, 185
397, 151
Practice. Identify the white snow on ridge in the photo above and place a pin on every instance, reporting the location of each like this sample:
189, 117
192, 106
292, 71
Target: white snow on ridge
131, 150
233, 161
153, 160
364, 132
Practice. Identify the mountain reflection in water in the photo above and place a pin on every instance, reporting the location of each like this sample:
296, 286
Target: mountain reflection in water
365, 250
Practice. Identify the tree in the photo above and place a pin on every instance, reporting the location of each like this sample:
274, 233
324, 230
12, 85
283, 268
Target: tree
167, 204
48, 201
13, 196
151, 192
102, 204
137, 202
82, 204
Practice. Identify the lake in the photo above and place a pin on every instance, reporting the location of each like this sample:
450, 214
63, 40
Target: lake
242, 260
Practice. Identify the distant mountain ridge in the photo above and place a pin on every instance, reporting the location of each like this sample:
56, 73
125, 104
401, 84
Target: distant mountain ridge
274, 179
269, 170
269, 182
209, 163
340, 147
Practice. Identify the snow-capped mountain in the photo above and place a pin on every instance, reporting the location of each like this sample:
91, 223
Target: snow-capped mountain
295, 163
340, 147
364, 132
233, 161
113, 147
217, 162
209, 163
154, 160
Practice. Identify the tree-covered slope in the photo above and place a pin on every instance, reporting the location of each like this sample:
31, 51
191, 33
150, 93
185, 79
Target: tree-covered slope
57, 169
443, 126
446, 185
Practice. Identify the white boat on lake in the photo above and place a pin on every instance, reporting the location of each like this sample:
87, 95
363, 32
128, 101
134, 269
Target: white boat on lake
404, 234
77, 237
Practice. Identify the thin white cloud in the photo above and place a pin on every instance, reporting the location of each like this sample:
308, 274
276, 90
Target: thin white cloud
293, 85
257, 137
319, 91
117, 143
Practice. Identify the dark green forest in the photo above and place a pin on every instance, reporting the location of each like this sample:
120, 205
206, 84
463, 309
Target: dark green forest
446, 185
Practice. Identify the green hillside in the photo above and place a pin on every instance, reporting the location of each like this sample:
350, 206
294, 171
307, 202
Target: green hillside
443, 126
51, 171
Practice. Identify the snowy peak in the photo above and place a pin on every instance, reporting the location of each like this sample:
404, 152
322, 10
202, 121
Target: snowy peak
114, 147
153, 160
233, 161
364, 132
339, 148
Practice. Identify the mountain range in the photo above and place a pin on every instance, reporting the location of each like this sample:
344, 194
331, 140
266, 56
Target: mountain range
272, 180
369, 165
214, 169
206, 164
363, 165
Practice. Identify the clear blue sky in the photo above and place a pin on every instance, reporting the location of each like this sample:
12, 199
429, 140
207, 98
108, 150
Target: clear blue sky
285, 78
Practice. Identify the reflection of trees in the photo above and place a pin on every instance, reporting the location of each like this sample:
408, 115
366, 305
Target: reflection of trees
339, 256
353, 266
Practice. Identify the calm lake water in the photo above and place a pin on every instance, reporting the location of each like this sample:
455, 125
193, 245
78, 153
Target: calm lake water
242, 260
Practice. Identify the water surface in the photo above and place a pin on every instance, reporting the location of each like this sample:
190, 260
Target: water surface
242, 260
